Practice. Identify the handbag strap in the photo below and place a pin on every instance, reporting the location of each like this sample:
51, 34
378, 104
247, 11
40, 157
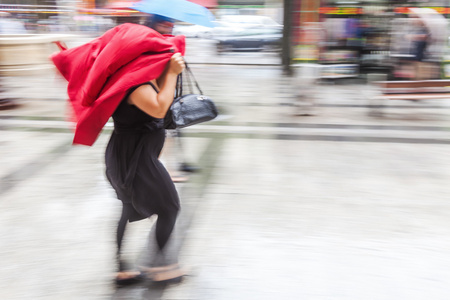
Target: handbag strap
179, 86
189, 76
189, 73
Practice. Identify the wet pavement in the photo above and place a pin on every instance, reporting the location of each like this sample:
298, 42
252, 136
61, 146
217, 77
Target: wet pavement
334, 205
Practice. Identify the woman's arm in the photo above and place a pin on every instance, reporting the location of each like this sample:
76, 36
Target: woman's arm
161, 79
157, 104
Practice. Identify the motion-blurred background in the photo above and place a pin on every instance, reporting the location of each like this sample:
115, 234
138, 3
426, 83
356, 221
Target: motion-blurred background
347, 38
325, 175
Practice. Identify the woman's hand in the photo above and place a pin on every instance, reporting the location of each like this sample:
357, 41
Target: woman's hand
157, 104
176, 64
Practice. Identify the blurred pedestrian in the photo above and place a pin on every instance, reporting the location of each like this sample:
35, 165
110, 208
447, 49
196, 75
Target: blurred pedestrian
114, 75
130, 152
420, 38
173, 151
6, 102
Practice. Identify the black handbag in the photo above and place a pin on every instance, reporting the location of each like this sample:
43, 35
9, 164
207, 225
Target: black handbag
189, 109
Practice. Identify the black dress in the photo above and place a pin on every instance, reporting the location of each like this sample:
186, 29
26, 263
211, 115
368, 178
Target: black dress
132, 165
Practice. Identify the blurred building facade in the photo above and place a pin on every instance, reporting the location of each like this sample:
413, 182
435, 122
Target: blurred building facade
346, 36
353, 37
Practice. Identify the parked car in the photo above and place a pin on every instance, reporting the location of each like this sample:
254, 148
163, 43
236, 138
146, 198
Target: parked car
251, 40
194, 31
226, 29
247, 33
249, 21
230, 25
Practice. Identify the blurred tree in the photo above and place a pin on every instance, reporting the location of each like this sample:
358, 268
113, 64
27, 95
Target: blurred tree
287, 33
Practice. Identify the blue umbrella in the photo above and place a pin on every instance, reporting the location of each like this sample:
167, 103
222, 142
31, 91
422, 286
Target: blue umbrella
181, 10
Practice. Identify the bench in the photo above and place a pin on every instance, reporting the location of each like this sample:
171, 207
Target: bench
413, 90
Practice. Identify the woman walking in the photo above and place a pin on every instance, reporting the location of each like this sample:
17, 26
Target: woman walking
129, 73
133, 167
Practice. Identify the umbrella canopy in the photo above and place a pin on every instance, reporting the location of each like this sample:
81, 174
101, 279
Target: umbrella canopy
181, 10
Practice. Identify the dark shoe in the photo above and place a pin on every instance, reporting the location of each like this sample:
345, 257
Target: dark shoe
8, 104
185, 167
121, 282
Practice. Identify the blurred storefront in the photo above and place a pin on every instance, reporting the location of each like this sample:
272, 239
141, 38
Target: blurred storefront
348, 38
434, 22
345, 37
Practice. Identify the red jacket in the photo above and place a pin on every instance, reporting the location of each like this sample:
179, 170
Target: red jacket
102, 71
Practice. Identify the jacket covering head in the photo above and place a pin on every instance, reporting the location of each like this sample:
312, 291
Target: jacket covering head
100, 73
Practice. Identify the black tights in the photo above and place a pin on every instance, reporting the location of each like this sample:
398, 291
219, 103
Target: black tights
164, 226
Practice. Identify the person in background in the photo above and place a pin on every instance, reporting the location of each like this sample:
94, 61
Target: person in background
420, 38
173, 151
